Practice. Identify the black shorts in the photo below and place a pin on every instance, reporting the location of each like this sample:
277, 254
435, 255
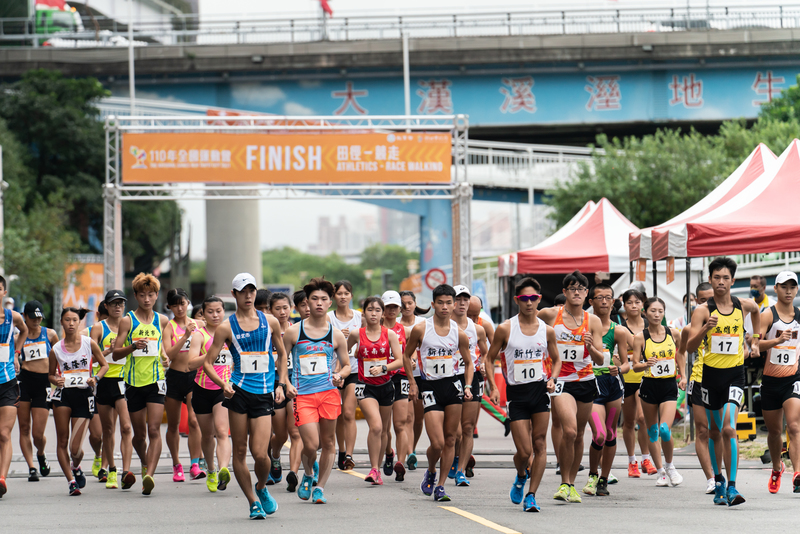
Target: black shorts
180, 384
383, 393
524, 400
609, 388
9, 393
204, 400
80, 401
33, 388
631, 389
693, 394
139, 397
437, 394
777, 390
110, 390
253, 405
721, 386
477, 386
581, 391
352, 378
400, 387
658, 390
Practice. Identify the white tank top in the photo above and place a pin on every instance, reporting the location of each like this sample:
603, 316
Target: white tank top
352, 325
437, 353
74, 366
782, 359
472, 335
523, 357
417, 320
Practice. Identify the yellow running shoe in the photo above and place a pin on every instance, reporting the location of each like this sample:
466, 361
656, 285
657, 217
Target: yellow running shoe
563, 493
96, 465
111, 481
147, 485
211, 481
573, 495
591, 485
224, 478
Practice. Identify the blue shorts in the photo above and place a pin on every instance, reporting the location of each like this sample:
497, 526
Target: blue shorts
609, 389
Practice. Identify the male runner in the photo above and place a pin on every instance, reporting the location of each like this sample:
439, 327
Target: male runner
526, 342
439, 340
250, 336
720, 324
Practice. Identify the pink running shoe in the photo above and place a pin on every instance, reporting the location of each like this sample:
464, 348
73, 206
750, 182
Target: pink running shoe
196, 472
373, 476
378, 480
177, 473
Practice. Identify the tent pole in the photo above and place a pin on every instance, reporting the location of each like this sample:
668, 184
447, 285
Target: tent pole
689, 363
655, 279
630, 273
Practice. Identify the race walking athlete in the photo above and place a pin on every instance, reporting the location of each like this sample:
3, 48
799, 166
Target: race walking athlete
9, 390
410, 317
250, 394
317, 347
525, 342
73, 399
720, 324
439, 341
34, 384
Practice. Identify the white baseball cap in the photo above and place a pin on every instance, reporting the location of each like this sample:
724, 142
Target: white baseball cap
785, 276
391, 297
242, 280
461, 290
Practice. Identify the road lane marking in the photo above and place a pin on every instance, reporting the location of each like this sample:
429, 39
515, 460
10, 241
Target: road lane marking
479, 519
355, 474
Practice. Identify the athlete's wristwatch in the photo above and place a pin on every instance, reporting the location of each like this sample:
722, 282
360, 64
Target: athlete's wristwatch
281, 385
468, 386
756, 336
384, 368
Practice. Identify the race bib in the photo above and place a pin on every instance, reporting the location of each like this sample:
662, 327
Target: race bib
91, 404
663, 369
724, 344
606, 358
151, 349
5, 353
690, 388
527, 371
369, 364
571, 351
35, 351
313, 364
121, 387
77, 378
735, 394
162, 387
559, 389
428, 399
49, 394
360, 391
404, 387
796, 388
439, 366
460, 389
786, 355
480, 389
254, 362
704, 394
186, 345
224, 358
290, 364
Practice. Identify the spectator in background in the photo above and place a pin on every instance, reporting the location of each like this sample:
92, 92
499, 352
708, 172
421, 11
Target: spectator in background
758, 291
680, 322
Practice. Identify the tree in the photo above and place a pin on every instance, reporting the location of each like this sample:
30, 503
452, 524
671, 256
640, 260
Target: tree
784, 107
380, 258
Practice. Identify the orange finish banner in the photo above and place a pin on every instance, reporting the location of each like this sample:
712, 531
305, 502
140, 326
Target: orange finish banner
150, 158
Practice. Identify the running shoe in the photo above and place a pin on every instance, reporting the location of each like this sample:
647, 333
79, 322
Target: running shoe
33, 476
111, 481
573, 495
79, 477
562, 494
388, 464
581, 468
316, 472
558, 468
275, 472
674, 477
212, 482
257, 511
506, 427
427, 482
319, 497
412, 462
602, 488
97, 464
517, 489
591, 485
291, 482
203, 464
633, 470
268, 502
3, 487
340, 461
453, 468
44, 466
734, 497
720, 497
74, 489
661, 481
377, 481
196, 472
224, 478
612, 479
439, 495
468, 470
796, 482
102, 475
373, 474
144, 470
648, 467
475, 433
710, 487
399, 472
349, 463
304, 491
775, 479
128, 480
147, 485
177, 473
529, 504
461, 480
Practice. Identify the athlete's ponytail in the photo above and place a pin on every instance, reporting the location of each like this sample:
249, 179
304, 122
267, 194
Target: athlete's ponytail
80, 312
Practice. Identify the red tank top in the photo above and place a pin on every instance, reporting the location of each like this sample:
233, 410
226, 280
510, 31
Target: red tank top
400, 330
373, 354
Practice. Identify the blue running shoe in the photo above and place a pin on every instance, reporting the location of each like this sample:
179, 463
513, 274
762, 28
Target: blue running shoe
530, 503
304, 491
517, 489
427, 482
80, 478
319, 497
719, 493
256, 511
734, 497
268, 502
412, 461
453, 469
316, 473
439, 495
461, 480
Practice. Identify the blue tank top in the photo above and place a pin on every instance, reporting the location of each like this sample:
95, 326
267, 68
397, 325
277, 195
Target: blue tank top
42, 338
313, 361
253, 364
7, 372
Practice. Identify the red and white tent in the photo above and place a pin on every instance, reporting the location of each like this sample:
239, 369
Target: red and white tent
670, 239
595, 240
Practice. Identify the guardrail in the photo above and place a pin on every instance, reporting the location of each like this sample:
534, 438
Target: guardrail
261, 29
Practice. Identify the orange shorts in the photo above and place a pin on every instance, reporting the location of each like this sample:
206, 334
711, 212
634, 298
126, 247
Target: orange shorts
315, 406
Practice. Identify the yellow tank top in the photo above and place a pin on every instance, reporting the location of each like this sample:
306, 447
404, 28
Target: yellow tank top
664, 351
143, 367
115, 370
726, 341
632, 377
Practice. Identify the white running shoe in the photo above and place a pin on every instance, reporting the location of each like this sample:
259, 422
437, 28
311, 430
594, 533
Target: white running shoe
662, 481
675, 478
710, 487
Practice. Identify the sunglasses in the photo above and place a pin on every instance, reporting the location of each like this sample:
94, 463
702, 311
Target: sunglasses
528, 298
